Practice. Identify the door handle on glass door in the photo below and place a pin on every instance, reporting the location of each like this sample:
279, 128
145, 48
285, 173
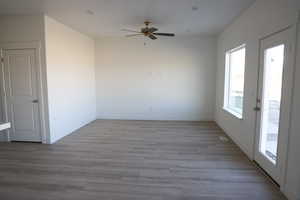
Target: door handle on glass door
256, 108
35, 101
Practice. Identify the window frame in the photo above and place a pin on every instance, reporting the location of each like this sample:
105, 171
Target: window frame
228, 67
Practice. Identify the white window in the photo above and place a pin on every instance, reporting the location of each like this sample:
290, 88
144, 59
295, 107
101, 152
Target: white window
234, 81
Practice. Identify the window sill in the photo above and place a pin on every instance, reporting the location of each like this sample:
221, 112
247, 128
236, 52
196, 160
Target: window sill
233, 113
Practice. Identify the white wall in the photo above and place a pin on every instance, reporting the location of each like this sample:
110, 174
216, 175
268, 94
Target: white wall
293, 175
21, 28
264, 17
26, 29
168, 79
70, 78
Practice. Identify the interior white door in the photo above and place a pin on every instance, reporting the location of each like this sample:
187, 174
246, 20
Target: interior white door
21, 91
273, 103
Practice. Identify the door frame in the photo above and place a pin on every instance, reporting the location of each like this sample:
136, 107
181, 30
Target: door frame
290, 61
36, 46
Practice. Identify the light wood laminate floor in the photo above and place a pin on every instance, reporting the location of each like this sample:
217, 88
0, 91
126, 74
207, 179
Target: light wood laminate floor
133, 160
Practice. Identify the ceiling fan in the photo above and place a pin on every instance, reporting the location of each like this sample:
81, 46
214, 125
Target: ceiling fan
147, 31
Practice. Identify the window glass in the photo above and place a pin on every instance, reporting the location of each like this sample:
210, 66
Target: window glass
234, 86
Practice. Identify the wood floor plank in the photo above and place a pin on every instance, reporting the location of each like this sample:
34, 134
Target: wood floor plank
122, 160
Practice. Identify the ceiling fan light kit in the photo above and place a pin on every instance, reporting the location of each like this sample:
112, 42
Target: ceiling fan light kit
150, 32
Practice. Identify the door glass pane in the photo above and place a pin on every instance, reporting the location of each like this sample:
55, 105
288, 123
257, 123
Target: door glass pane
271, 99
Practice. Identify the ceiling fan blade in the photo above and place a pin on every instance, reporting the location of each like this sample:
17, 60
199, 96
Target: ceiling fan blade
152, 29
152, 37
132, 35
165, 34
128, 30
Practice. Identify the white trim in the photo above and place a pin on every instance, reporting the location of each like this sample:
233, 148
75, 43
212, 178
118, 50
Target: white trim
20, 45
290, 60
36, 45
233, 113
227, 79
244, 148
4, 126
155, 116
236, 48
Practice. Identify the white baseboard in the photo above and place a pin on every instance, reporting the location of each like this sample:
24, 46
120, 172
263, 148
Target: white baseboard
54, 140
236, 141
162, 117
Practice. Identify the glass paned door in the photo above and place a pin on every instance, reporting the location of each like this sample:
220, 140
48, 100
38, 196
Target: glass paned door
271, 101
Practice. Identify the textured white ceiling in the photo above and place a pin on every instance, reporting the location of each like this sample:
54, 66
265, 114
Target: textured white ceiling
109, 16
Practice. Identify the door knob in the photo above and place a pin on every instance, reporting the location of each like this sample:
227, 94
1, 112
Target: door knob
256, 108
35, 101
